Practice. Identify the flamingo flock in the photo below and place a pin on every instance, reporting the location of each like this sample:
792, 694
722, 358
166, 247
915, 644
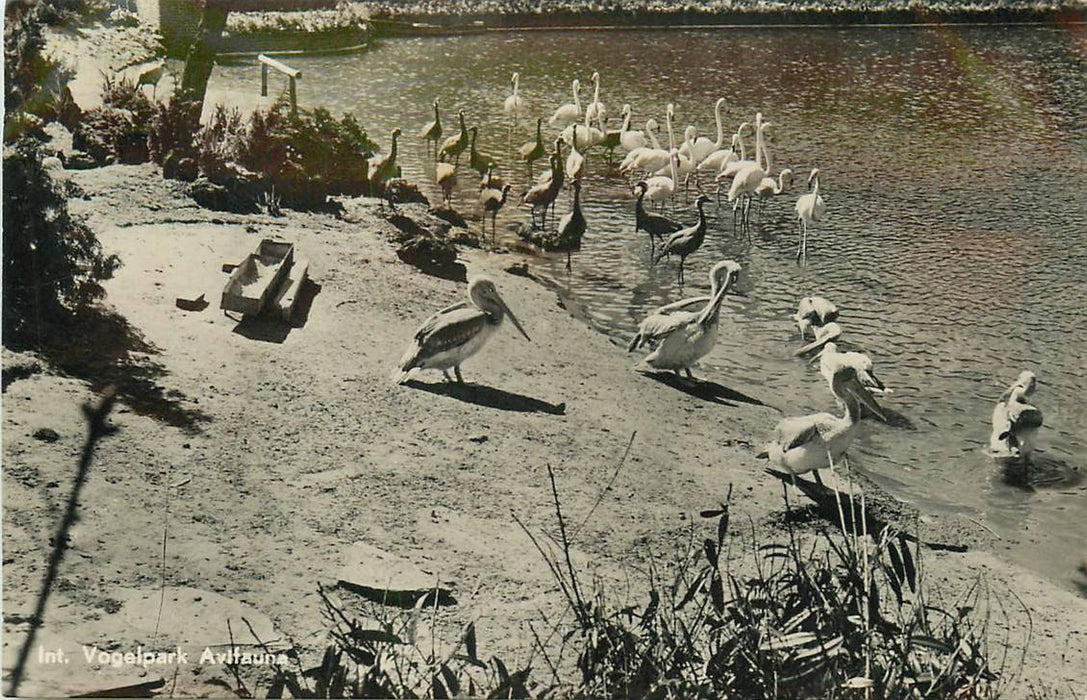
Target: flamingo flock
679, 334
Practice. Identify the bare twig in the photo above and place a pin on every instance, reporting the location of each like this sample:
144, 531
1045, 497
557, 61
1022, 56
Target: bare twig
611, 482
97, 428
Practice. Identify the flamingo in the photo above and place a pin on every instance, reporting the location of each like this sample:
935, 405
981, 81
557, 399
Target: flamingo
457, 332
750, 176
455, 145
654, 159
575, 162
720, 159
684, 339
810, 209
632, 139
568, 113
515, 106
1015, 422
432, 132
806, 443
702, 147
613, 138
729, 170
660, 188
688, 240
629, 163
492, 199
769, 188
595, 110
658, 323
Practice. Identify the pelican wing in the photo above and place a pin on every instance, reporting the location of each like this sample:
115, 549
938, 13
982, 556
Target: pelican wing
682, 305
437, 317
1023, 415
797, 431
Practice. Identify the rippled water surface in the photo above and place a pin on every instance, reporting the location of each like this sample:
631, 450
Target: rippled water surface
954, 166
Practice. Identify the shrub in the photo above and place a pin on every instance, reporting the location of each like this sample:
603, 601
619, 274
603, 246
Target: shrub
51, 260
33, 83
120, 129
173, 129
307, 156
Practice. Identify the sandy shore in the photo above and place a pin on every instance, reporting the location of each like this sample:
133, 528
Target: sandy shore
285, 446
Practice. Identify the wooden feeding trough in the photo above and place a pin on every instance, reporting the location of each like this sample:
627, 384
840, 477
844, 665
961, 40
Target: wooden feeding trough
271, 273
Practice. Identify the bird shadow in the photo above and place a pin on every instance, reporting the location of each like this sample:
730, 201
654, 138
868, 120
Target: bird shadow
891, 418
490, 397
704, 389
1040, 473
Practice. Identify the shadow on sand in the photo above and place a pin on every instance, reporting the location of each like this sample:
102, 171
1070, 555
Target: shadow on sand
490, 397
269, 329
703, 389
101, 347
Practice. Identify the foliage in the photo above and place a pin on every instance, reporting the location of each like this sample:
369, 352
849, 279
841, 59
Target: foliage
307, 156
347, 15
174, 127
34, 85
51, 259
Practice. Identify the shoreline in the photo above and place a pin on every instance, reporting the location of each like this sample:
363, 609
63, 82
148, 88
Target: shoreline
303, 443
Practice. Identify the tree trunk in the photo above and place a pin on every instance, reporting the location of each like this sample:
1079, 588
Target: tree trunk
201, 57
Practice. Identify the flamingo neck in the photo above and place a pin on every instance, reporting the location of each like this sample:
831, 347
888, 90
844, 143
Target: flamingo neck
815, 189
577, 100
781, 183
652, 138
720, 127
766, 158
743, 146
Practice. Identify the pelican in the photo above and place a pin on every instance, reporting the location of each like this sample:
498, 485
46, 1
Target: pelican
823, 335
813, 312
595, 110
492, 199
661, 321
533, 150
1015, 422
452, 335
805, 443
686, 241
831, 358
810, 209
568, 113
572, 226
455, 145
432, 132
515, 105
655, 225
684, 339
446, 176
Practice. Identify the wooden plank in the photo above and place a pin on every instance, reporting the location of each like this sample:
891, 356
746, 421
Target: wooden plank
280, 66
258, 277
288, 294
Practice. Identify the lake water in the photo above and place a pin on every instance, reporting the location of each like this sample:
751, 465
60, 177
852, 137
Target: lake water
954, 167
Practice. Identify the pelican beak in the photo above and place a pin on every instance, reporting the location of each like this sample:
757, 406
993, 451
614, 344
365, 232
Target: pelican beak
864, 398
516, 323
877, 385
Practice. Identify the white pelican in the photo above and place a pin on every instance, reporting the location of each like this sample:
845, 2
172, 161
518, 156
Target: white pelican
568, 113
432, 131
515, 106
810, 209
830, 358
683, 339
595, 110
659, 323
452, 335
813, 312
1015, 422
805, 443
686, 241
823, 335
455, 145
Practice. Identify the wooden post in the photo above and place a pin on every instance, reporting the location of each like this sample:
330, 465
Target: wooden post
293, 74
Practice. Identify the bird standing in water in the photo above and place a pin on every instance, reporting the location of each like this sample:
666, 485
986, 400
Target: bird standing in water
684, 338
656, 225
572, 226
686, 241
1015, 422
457, 332
492, 200
432, 131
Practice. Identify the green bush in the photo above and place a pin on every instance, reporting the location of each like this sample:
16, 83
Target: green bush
33, 83
51, 260
307, 156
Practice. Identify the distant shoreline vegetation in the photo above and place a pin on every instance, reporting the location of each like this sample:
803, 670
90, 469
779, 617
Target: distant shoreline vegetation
396, 17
